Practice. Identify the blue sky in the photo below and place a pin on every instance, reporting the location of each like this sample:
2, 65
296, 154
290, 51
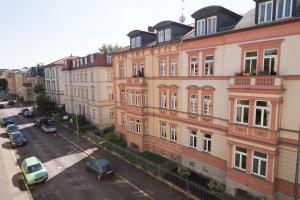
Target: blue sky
35, 31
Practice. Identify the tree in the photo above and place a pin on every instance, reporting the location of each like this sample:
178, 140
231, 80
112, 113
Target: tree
3, 84
39, 88
109, 48
43, 103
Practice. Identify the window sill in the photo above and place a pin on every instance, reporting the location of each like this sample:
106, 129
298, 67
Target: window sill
259, 177
239, 170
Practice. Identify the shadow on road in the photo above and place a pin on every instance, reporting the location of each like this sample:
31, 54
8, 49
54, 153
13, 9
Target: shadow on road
18, 182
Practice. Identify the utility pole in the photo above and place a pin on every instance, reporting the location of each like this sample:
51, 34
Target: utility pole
297, 167
77, 128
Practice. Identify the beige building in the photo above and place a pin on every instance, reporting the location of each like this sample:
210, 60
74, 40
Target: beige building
54, 81
221, 98
88, 88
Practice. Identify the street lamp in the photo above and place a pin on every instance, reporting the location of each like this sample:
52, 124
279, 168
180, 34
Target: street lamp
77, 128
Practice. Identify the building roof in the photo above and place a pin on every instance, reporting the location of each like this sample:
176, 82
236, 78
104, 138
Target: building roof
36, 71
138, 32
60, 61
247, 20
168, 23
211, 10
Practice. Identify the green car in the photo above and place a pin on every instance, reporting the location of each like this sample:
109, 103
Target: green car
34, 170
102, 167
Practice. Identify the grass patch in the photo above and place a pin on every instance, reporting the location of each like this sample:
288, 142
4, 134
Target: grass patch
155, 158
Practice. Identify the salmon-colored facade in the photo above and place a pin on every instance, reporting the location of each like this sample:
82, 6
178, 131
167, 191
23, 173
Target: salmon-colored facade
237, 127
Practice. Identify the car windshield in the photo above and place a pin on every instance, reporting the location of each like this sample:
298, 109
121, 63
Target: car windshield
34, 168
18, 136
50, 126
9, 128
107, 168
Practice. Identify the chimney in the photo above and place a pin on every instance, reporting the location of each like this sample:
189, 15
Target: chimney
151, 29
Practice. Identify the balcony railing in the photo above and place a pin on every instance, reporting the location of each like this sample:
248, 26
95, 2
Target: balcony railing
256, 81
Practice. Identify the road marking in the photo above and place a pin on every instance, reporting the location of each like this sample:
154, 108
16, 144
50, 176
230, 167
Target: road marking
121, 177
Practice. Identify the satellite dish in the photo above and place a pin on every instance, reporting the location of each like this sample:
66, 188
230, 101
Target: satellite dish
182, 19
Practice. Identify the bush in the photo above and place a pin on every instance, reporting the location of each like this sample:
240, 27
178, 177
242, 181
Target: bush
259, 197
111, 137
216, 187
183, 172
109, 129
81, 120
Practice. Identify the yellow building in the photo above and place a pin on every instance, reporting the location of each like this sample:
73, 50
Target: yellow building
219, 97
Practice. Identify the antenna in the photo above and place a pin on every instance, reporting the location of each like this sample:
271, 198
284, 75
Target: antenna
182, 17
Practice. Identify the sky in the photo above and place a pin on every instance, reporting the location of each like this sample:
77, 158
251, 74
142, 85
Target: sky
42, 31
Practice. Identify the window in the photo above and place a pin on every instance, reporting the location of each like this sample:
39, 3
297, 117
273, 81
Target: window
242, 111
132, 42
81, 61
86, 93
250, 63
85, 60
193, 103
265, 12
92, 76
160, 36
207, 105
167, 34
259, 164
145, 99
201, 27
123, 119
173, 133
194, 66
163, 100
142, 70
122, 71
207, 143
173, 101
173, 67
130, 98
193, 139
262, 114
137, 99
138, 42
110, 95
112, 113
92, 58
240, 158
163, 130
85, 76
270, 61
122, 95
162, 68
284, 9
211, 25
135, 70
208, 65
93, 92
108, 58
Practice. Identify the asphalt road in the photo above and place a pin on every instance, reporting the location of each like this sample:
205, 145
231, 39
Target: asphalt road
65, 157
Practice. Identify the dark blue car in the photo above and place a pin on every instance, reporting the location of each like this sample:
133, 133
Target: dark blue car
102, 168
6, 121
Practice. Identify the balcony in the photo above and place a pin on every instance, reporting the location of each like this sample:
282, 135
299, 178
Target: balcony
136, 81
256, 82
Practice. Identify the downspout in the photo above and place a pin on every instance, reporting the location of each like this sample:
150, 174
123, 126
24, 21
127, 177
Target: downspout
297, 167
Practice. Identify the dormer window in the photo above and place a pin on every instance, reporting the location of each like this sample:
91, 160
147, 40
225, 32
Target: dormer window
201, 27
284, 9
212, 25
136, 42
164, 35
167, 34
265, 12
161, 36
92, 59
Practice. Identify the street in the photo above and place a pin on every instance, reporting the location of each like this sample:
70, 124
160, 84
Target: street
65, 159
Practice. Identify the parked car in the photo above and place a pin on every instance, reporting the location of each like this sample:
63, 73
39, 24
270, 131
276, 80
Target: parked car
41, 122
29, 113
102, 167
23, 110
11, 103
49, 128
1, 105
10, 128
34, 170
17, 139
6, 121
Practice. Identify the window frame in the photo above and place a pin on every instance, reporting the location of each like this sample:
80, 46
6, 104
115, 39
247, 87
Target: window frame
194, 66
202, 31
263, 109
163, 130
173, 130
265, 17
260, 160
173, 64
163, 100
161, 36
193, 101
162, 68
241, 154
207, 143
210, 65
270, 58
209, 23
209, 104
242, 114
192, 142
174, 104
284, 9
251, 59
168, 35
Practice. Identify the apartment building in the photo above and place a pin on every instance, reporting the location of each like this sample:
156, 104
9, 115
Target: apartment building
219, 97
54, 81
88, 88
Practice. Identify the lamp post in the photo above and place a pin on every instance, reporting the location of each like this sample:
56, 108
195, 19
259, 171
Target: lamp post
77, 128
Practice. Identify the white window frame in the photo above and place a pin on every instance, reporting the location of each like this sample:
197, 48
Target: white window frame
132, 43
137, 98
145, 98
194, 66
207, 104
162, 68
163, 100
270, 57
135, 70
137, 126
242, 106
123, 119
209, 65
193, 103
122, 95
174, 101
251, 59
161, 35
130, 98
201, 26
167, 34
122, 71
192, 142
263, 109
211, 25
173, 67
207, 143
260, 160
112, 113
241, 155
92, 58
283, 9
138, 42
163, 130
173, 133
265, 17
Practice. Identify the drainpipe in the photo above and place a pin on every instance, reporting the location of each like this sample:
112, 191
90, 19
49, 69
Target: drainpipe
297, 167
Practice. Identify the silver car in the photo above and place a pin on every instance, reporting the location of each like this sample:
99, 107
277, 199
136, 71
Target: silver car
50, 128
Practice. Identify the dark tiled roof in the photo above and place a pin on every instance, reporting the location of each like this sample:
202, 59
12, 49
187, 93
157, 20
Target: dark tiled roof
211, 10
247, 20
138, 32
36, 71
167, 23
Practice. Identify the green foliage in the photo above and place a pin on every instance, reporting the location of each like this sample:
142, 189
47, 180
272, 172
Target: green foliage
109, 48
81, 120
39, 88
3, 84
216, 187
44, 105
111, 137
183, 172
259, 197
